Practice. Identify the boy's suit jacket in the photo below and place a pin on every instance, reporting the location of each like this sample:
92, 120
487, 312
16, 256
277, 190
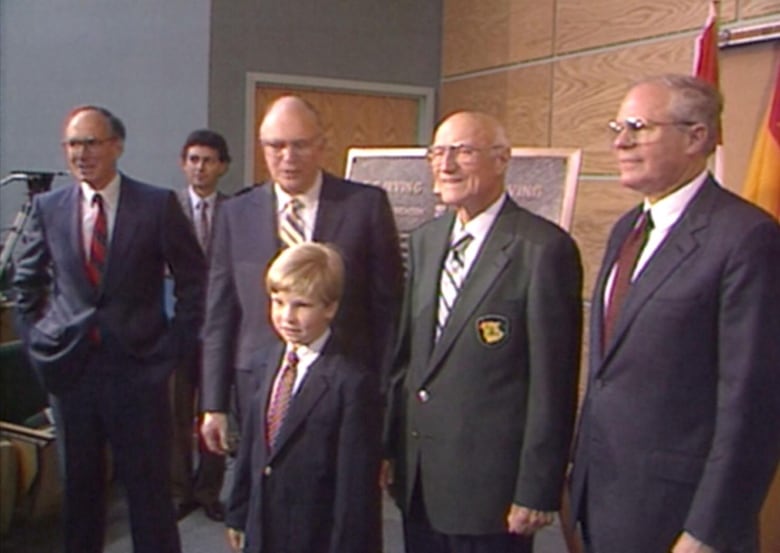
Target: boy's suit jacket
679, 428
318, 490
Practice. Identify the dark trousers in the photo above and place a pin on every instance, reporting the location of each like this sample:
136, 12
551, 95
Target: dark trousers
187, 483
133, 417
421, 537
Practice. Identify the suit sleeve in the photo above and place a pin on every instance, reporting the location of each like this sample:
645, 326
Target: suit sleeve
237, 505
32, 276
386, 286
554, 319
187, 264
356, 510
223, 313
746, 441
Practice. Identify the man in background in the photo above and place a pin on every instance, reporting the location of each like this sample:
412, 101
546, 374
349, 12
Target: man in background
679, 434
204, 160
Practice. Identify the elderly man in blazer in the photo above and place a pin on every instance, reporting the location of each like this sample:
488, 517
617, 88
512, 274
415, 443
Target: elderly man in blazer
89, 281
301, 202
679, 434
204, 159
483, 401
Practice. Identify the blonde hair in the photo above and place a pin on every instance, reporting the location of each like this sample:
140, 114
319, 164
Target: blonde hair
311, 269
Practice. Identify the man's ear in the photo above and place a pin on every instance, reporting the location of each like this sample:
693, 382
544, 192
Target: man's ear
698, 138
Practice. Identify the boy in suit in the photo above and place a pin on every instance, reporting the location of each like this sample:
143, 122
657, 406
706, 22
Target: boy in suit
306, 475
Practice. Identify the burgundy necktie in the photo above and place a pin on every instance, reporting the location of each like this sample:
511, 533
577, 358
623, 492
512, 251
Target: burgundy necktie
204, 230
626, 263
280, 402
98, 246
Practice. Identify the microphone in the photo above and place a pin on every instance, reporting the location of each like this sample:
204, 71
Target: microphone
37, 181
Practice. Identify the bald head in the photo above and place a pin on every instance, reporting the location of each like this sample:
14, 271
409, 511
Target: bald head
469, 157
292, 137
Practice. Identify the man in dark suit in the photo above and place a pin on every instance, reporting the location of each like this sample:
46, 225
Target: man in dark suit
204, 159
301, 202
89, 281
305, 478
679, 434
483, 403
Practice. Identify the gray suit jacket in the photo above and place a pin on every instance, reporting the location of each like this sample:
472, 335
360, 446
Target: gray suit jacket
58, 306
679, 428
186, 206
484, 416
354, 217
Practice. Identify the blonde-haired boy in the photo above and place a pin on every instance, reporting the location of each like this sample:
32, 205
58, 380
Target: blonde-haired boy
306, 475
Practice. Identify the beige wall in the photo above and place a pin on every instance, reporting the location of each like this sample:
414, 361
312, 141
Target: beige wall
554, 72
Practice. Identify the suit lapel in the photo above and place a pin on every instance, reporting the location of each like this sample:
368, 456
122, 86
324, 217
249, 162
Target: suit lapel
329, 211
679, 244
127, 220
184, 200
314, 385
490, 262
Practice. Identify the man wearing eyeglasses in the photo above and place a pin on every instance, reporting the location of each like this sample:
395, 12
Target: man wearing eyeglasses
300, 203
89, 283
483, 398
679, 434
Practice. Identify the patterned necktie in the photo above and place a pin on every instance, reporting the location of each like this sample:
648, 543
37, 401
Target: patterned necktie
291, 224
452, 276
203, 226
625, 265
280, 402
98, 246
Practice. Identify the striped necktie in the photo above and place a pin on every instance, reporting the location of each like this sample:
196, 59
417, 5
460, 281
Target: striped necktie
452, 275
280, 401
98, 246
291, 224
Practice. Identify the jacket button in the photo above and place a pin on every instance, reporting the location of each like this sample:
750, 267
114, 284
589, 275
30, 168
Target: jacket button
415, 434
267, 470
423, 395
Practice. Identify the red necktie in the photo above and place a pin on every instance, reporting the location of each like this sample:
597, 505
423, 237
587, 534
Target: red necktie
280, 402
98, 246
626, 263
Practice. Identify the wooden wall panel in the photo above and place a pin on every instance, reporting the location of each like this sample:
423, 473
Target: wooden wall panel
580, 25
350, 120
490, 33
519, 98
587, 92
754, 8
599, 205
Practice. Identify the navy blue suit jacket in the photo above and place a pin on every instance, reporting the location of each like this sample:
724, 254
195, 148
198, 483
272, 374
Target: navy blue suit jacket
679, 428
318, 491
58, 306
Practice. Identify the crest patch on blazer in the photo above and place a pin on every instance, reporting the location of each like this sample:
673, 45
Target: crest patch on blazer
492, 330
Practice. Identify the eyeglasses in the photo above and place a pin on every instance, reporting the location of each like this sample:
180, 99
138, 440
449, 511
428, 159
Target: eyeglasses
464, 153
87, 143
301, 146
637, 129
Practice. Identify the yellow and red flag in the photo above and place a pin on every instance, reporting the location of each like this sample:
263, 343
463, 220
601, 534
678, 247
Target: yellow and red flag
762, 183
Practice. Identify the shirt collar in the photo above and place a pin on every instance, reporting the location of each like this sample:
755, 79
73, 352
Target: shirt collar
110, 193
195, 199
309, 199
479, 226
309, 352
666, 211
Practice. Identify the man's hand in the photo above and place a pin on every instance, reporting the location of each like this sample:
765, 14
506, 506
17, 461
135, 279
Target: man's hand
386, 474
525, 521
686, 543
235, 539
214, 431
